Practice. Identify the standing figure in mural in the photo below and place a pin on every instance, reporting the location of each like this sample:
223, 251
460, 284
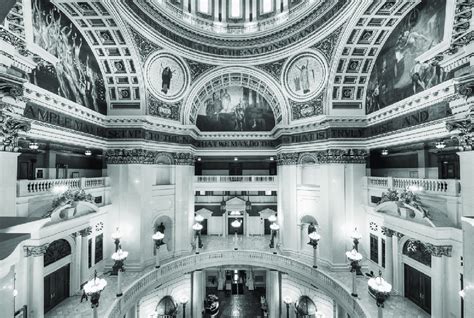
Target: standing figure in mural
304, 77
226, 101
418, 73
239, 117
213, 107
166, 75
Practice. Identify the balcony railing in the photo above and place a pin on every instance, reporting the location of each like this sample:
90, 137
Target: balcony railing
215, 179
35, 187
441, 186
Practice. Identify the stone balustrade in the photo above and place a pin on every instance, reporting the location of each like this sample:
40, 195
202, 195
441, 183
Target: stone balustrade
180, 266
450, 187
216, 179
35, 187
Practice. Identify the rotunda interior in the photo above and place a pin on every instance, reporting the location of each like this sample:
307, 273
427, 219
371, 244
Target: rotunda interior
236, 158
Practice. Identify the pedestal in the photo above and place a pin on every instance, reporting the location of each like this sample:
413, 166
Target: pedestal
315, 257
379, 312
354, 283
8, 171
157, 258
119, 283
95, 313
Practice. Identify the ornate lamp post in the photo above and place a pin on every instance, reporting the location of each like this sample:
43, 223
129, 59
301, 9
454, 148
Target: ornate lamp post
158, 238
93, 288
288, 301
236, 224
355, 236
184, 300
199, 218
314, 238
197, 227
354, 257
274, 228
119, 257
381, 289
116, 236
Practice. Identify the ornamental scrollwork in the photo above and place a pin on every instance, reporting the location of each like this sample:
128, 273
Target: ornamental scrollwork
285, 159
86, 232
439, 250
198, 68
11, 124
164, 110
387, 232
145, 47
184, 159
342, 156
130, 156
35, 251
307, 109
462, 131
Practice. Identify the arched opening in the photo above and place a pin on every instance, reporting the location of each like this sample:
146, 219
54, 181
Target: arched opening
166, 308
416, 272
305, 308
164, 224
57, 263
164, 169
308, 225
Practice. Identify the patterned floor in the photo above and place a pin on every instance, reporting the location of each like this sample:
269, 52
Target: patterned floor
395, 307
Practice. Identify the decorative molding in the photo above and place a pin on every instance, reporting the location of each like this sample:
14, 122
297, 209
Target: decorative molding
86, 232
274, 68
439, 250
373, 226
285, 159
197, 68
307, 109
387, 232
145, 47
11, 125
35, 251
184, 159
328, 45
161, 109
462, 130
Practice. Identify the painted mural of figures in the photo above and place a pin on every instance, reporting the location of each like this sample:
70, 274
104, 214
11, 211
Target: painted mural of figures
401, 69
304, 77
239, 117
166, 76
226, 101
75, 70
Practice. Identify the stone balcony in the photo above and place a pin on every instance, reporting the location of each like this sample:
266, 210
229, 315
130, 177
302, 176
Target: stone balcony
236, 183
34, 197
253, 250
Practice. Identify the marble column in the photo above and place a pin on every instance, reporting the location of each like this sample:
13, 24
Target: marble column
388, 254
438, 280
468, 260
84, 272
184, 205
76, 264
287, 202
216, 10
224, 10
197, 293
273, 292
35, 255
396, 263
466, 158
8, 171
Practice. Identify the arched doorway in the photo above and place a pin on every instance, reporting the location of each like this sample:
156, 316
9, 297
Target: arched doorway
306, 222
166, 308
165, 222
416, 268
57, 261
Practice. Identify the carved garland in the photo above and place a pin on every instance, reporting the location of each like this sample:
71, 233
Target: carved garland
142, 156
324, 157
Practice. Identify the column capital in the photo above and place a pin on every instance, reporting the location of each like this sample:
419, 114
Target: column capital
439, 250
463, 131
12, 124
86, 232
388, 232
35, 250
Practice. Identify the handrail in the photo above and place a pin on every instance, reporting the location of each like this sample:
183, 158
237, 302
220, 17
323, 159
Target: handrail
34, 187
180, 266
213, 179
442, 186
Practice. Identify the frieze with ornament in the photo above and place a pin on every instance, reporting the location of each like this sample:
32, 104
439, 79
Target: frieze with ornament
462, 131
285, 159
307, 109
142, 156
387, 232
274, 68
164, 110
328, 45
198, 68
439, 250
35, 251
86, 232
144, 46
184, 159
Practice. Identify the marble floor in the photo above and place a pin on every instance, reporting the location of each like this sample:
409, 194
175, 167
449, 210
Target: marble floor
395, 307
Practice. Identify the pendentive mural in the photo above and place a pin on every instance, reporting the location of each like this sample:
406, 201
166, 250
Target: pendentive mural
305, 75
397, 74
75, 74
235, 108
167, 76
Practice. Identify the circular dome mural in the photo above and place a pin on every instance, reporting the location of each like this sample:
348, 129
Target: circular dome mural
167, 76
304, 76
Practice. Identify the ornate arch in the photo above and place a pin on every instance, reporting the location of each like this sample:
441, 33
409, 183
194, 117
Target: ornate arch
163, 158
248, 77
169, 230
308, 158
57, 250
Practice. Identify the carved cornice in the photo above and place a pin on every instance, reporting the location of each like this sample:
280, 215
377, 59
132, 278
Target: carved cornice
323, 157
35, 251
439, 250
184, 159
11, 124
